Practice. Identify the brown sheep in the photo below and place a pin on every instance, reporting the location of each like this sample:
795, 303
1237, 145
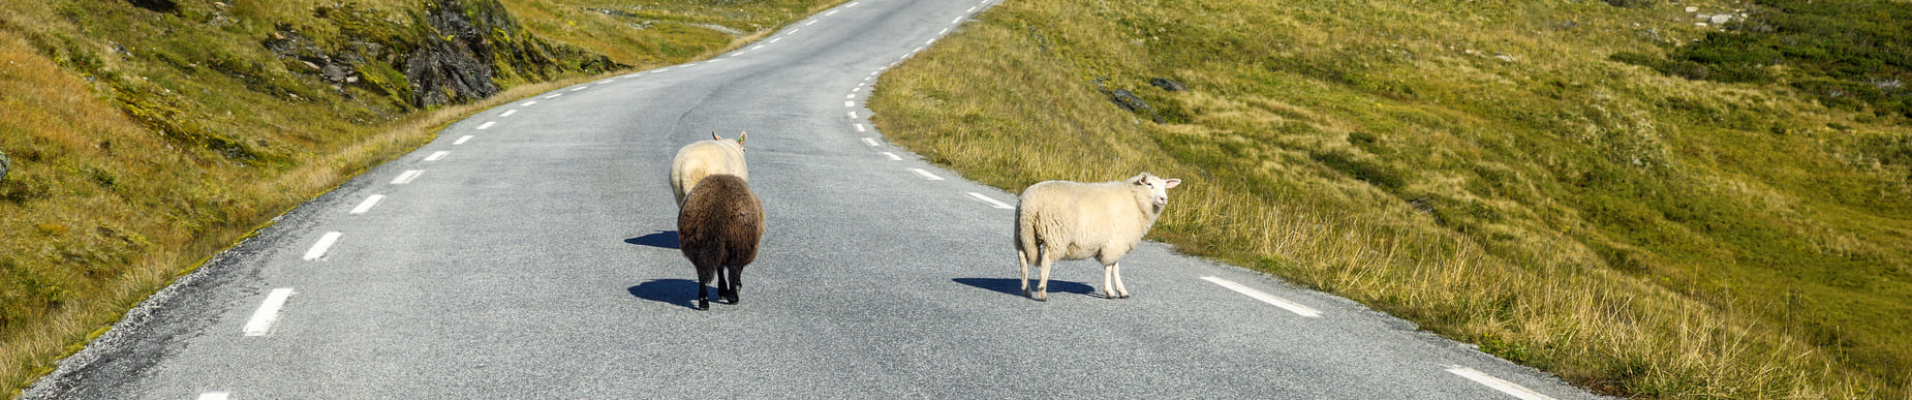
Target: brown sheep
718, 229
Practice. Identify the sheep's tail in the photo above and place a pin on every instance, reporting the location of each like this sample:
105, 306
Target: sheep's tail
1025, 232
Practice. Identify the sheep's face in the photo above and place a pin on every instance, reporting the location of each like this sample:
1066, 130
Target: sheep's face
1157, 187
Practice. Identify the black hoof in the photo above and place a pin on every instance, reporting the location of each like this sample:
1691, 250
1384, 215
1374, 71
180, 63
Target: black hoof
731, 299
703, 304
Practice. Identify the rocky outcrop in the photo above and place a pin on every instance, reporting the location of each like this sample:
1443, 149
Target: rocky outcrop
1129, 101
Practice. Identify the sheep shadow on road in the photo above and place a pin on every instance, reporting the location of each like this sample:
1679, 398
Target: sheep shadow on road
681, 292
663, 239
1009, 286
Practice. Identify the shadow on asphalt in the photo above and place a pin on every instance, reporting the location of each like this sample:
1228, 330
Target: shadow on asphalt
665, 239
1010, 287
681, 292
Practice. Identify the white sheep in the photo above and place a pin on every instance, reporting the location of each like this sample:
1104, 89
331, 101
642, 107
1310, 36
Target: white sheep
705, 158
1061, 220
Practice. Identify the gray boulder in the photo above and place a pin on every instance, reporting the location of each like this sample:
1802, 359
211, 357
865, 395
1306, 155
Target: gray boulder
4, 163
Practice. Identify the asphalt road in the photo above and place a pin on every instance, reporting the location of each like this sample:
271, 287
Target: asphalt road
533, 255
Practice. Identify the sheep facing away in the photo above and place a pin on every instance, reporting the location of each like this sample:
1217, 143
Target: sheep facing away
718, 229
1061, 220
705, 158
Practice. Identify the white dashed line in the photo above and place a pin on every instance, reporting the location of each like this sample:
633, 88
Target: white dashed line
757, 47
852, 4
892, 156
325, 243
580, 88
859, 127
1264, 297
775, 39
971, 9
832, 12
992, 202
852, 115
528, 103
213, 396
487, 125
919, 49
959, 20
929, 42
1496, 383
554, 95
604, 81
739, 53
437, 156
812, 22
926, 174
367, 204
849, 104
850, 96
944, 32
262, 319
407, 177
793, 31
869, 141
461, 140
508, 113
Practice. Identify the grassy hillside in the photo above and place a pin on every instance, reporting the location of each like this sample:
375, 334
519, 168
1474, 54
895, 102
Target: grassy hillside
147, 135
1491, 170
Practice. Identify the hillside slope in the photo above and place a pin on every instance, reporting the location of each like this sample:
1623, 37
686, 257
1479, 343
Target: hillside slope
1493, 171
146, 135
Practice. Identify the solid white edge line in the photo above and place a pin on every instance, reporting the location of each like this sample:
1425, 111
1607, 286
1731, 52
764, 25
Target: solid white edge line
367, 205
437, 156
892, 156
214, 396
1490, 381
461, 140
859, 127
325, 243
262, 319
487, 125
869, 141
407, 177
926, 174
1302, 310
993, 202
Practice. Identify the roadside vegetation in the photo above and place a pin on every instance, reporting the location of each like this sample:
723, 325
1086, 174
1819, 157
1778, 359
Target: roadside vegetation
1548, 180
146, 135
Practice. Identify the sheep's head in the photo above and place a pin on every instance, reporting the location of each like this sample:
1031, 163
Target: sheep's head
741, 135
1156, 186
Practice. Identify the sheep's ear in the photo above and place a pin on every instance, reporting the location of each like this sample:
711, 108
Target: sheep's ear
713, 136
1171, 183
741, 135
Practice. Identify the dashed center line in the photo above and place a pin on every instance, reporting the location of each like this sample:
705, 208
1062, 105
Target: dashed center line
508, 112
1496, 383
325, 243
487, 125
604, 81
859, 127
959, 20
850, 96
971, 9
869, 141
367, 204
214, 396
461, 140
528, 103
852, 4
757, 47
892, 156
1302, 310
437, 156
926, 174
849, 104
554, 95
943, 32
262, 319
832, 12
992, 202
407, 177
852, 115
775, 39
580, 88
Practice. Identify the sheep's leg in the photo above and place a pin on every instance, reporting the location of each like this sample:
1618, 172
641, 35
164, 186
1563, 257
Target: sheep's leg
723, 284
1042, 287
1022, 259
1108, 281
703, 287
1121, 290
736, 284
